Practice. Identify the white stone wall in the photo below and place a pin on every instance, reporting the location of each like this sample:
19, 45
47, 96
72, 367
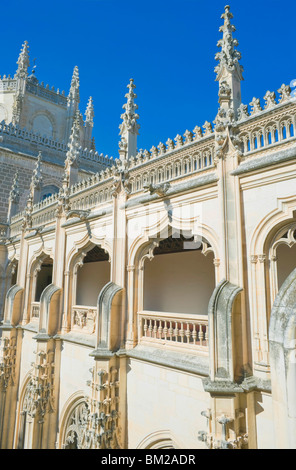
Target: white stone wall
164, 400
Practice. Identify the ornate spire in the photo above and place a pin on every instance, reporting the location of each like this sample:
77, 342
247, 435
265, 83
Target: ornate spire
130, 117
129, 127
89, 113
36, 180
74, 143
13, 199
228, 57
14, 194
23, 62
74, 88
72, 155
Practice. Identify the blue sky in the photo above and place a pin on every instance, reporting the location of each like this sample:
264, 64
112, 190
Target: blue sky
167, 46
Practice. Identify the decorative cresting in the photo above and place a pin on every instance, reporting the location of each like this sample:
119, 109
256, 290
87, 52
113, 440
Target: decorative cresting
7, 362
93, 424
282, 340
39, 395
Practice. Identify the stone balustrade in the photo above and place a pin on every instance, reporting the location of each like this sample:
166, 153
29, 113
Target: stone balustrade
174, 330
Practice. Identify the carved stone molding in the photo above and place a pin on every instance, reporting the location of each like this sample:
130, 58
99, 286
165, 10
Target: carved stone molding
7, 362
39, 393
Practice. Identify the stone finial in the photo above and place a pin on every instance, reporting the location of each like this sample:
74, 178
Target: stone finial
285, 93
188, 136
23, 62
170, 144
242, 112
228, 57
269, 99
179, 140
74, 88
154, 151
89, 113
208, 128
256, 106
162, 148
197, 133
129, 117
14, 194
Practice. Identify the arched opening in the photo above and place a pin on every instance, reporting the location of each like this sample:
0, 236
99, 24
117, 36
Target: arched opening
178, 281
44, 277
48, 190
75, 426
14, 275
92, 276
42, 125
27, 413
286, 262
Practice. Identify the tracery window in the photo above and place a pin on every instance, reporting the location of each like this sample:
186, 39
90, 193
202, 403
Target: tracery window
75, 428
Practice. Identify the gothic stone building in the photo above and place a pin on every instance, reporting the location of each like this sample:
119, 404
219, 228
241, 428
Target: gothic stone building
148, 301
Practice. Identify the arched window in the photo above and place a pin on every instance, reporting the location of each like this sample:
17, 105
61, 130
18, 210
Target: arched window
92, 276
44, 277
180, 278
42, 125
48, 190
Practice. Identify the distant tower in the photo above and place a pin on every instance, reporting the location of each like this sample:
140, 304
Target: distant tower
229, 71
129, 127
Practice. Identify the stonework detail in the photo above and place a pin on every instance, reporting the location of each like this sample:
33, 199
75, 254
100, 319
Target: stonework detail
94, 423
39, 393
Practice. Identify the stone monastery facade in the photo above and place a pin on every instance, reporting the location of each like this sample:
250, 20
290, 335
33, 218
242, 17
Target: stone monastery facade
148, 302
